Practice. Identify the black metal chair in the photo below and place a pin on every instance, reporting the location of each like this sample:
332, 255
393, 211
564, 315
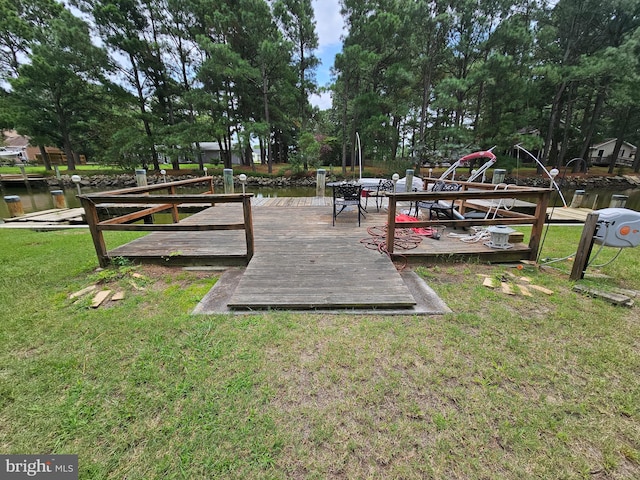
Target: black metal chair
438, 209
379, 192
345, 195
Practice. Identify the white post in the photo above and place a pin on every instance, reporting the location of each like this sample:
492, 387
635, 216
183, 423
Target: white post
227, 179
76, 179
359, 154
243, 180
321, 176
408, 186
141, 177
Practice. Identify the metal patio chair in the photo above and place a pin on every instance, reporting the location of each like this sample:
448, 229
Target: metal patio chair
440, 208
379, 192
345, 195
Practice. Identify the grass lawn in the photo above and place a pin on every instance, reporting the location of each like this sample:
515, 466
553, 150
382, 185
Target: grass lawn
505, 387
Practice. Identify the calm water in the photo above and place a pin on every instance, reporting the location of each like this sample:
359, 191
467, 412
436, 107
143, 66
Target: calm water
42, 200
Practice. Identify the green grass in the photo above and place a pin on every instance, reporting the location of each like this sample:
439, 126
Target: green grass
505, 387
81, 169
93, 169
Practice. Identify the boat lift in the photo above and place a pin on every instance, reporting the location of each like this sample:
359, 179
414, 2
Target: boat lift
463, 162
467, 159
608, 227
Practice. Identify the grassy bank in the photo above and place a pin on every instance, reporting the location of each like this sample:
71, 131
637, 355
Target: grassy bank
504, 387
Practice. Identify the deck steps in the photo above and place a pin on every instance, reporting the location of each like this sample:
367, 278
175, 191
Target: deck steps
312, 277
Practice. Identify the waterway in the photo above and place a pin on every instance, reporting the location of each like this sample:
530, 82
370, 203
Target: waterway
38, 200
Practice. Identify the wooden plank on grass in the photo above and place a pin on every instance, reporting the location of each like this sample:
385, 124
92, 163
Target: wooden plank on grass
119, 295
99, 298
541, 289
525, 291
135, 285
506, 288
84, 291
488, 282
611, 297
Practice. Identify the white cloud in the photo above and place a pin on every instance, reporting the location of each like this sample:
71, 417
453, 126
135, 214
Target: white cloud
321, 100
329, 22
330, 28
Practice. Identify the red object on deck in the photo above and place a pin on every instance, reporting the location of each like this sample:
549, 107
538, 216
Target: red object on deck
427, 232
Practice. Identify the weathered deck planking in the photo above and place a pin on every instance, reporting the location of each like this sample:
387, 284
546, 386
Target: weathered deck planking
353, 278
52, 216
301, 261
11, 179
307, 227
568, 214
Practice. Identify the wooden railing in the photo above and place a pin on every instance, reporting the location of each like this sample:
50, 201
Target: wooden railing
477, 191
150, 204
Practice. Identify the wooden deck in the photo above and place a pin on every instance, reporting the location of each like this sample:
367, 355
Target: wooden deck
306, 271
290, 229
301, 261
568, 214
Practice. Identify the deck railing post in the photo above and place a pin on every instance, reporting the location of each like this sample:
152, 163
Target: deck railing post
248, 225
391, 224
174, 207
91, 216
461, 207
584, 247
538, 225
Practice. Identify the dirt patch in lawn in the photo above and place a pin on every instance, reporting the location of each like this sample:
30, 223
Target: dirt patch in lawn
109, 286
160, 276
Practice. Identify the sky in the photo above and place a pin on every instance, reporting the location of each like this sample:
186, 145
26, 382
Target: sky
329, 26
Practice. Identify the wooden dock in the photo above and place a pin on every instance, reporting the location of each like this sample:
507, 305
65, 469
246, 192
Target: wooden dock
309, 268
282, 225
295, 257
301, 261
17, 179
554, 214
567, 214
52, 218
307, 227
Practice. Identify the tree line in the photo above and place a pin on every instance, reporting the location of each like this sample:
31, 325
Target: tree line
139, 81
426, 79
134, 81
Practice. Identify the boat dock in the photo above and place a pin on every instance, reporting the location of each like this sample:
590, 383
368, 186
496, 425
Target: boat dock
72, 217
277, 226
559, 214
12, 180
567, 214
52, 219
293, 257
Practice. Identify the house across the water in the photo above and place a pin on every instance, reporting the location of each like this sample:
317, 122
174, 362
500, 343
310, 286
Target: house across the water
14, 142
601, 153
